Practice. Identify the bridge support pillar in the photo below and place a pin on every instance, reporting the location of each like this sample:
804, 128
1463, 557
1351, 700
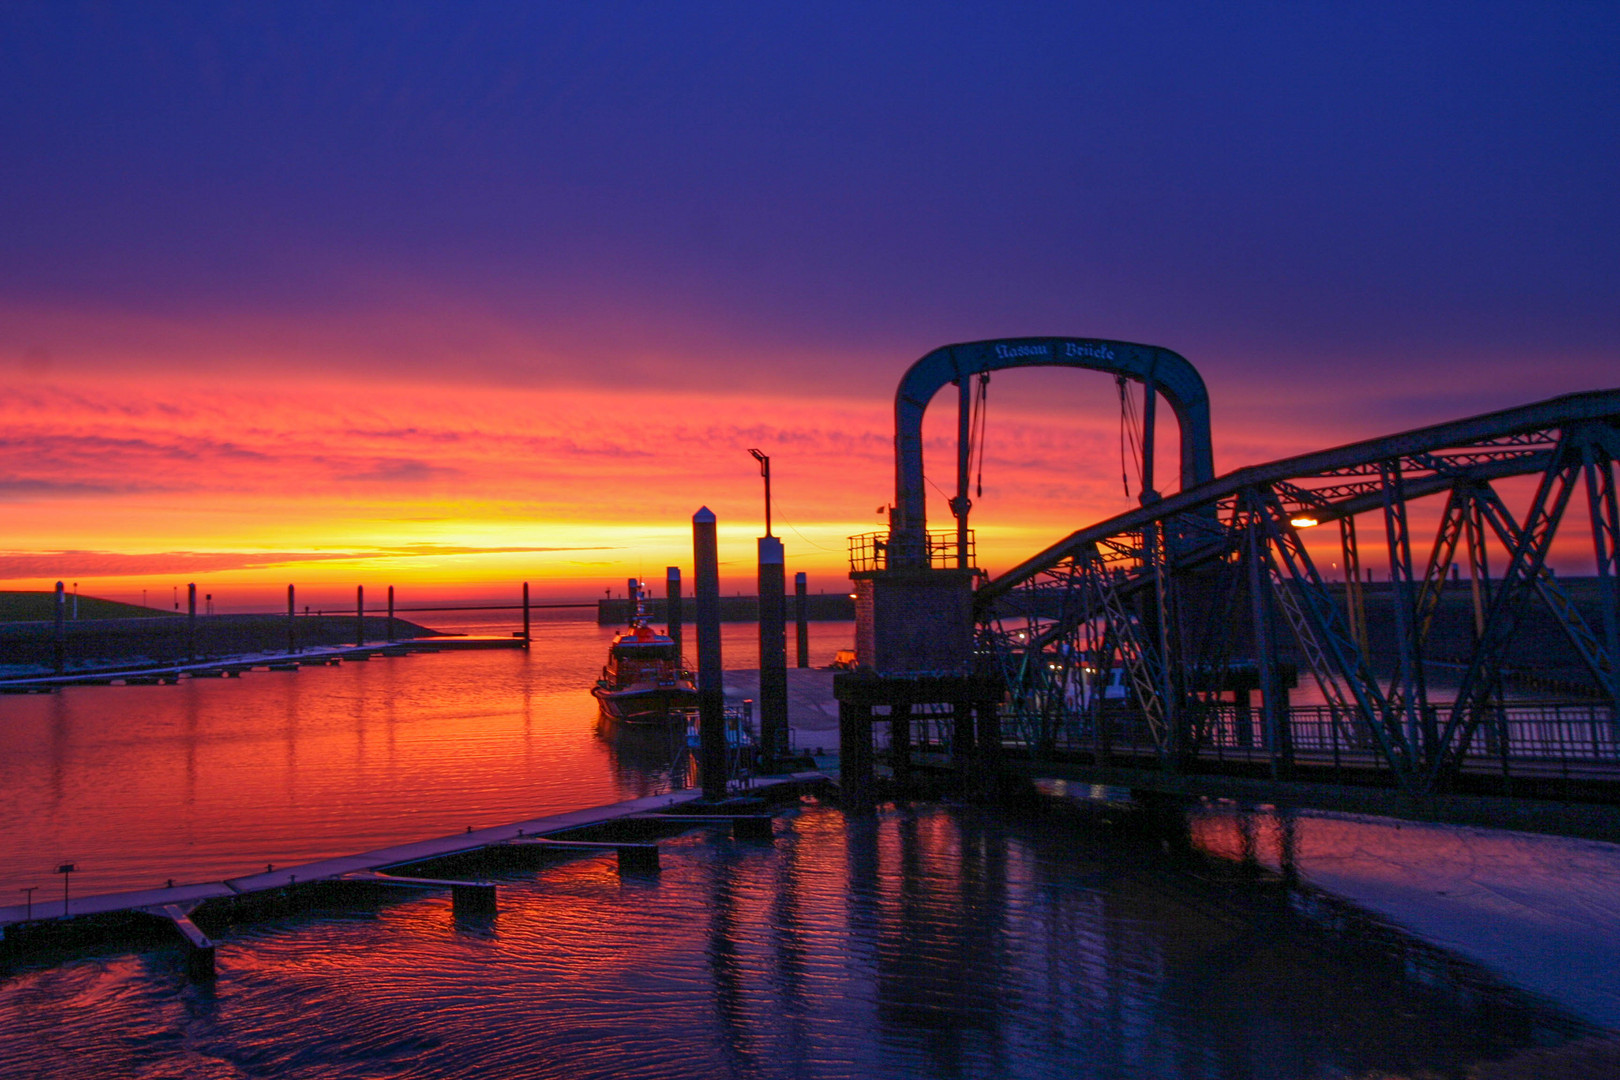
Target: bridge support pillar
975, 754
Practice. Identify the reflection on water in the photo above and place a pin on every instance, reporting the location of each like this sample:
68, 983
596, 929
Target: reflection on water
217, 777
926, 941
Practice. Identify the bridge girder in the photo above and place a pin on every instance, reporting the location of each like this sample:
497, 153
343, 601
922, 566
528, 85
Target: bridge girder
1152, 592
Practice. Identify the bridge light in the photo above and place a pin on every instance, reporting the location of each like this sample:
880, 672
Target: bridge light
1303, 521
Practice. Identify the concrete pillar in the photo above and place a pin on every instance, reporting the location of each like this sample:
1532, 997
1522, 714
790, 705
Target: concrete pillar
801, 616
900, 741
773, 719
962, 755
711, 688
855, 757
989, 713
672, 606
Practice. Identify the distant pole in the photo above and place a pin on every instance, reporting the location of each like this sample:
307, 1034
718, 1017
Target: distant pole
61, 629
765, 471
525, 614
292, 627
711, 689
359, 615
191, 621
75, 601
773, 719
801, 615
390, 613
672, 604
28, 891
66, 870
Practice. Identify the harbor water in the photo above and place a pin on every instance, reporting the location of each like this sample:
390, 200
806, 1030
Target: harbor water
930, 940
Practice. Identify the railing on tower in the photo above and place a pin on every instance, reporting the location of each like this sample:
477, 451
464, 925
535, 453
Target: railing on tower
870, 551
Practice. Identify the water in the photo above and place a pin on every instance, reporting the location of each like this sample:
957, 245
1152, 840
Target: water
214, 778
933, 940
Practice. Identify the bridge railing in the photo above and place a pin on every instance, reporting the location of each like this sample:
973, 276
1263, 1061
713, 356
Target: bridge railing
1525, 733
870, 551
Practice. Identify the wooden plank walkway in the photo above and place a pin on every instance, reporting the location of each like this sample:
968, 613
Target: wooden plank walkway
370, 862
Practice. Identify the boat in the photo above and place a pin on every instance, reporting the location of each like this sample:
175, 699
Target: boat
644, 682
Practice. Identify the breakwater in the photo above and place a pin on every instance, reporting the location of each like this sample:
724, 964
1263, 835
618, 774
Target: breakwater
94, 643
822, 607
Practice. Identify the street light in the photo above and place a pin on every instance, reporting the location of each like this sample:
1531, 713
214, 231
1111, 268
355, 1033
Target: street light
66, 870
765, 471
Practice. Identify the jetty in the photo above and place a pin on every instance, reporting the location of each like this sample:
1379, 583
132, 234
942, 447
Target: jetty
629, 829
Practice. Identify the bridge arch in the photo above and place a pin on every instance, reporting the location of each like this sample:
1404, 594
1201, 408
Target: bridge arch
1159, 370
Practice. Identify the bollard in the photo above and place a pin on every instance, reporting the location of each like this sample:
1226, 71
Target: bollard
711, 688
773, 720
801, 617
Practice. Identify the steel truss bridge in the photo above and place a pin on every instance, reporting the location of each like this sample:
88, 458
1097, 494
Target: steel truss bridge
1204, 607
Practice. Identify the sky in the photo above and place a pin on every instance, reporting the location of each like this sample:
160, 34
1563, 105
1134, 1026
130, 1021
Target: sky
453, 296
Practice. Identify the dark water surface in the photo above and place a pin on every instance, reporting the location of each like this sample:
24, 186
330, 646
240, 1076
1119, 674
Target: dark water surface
930, 941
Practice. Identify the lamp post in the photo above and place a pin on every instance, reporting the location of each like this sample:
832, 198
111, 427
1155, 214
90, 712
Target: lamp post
773, 720
66, 870
765, 471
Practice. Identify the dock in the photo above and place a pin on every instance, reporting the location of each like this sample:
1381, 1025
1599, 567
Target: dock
235, 666
105, 915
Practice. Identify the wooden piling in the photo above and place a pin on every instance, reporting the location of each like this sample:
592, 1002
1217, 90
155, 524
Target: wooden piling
525, 614
61, 628
391, 613
292, 625
773, 721
801, 617
711, 688
672, 605
359, 615
191, 621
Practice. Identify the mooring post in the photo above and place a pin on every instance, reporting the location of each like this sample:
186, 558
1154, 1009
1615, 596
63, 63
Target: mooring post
900, 742
801, 616
292, 626
390, 613
773, 719
61, 628
191, 621
672, 606
711, 689
359, 615
525, 614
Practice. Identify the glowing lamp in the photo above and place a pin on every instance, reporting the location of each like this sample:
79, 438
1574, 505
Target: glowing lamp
1303, 521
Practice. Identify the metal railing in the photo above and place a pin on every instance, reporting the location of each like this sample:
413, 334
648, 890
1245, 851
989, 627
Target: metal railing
870, 551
